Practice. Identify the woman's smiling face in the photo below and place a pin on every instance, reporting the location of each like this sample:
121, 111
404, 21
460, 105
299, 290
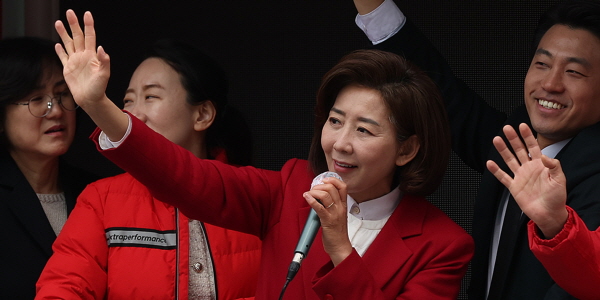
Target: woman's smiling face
360, 143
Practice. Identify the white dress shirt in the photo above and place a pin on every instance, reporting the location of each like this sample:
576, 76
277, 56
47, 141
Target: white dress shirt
366, 219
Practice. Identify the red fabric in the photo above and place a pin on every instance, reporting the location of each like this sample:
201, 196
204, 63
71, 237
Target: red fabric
84, 267
572, 257
419, 254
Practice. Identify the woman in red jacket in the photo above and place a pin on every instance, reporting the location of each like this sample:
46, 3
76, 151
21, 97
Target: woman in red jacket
380, 124
120, 242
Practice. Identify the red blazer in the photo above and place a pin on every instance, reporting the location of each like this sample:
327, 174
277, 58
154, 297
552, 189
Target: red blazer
419, 254
572, 257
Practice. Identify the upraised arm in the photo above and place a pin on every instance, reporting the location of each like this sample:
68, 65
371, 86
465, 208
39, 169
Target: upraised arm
538, 186
86, 71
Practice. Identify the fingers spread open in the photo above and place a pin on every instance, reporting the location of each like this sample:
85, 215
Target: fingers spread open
62, 55
555, 169
504, 178
517, 145
64, 36
103, 57
511, 161
90, 32
77, 34
532, 145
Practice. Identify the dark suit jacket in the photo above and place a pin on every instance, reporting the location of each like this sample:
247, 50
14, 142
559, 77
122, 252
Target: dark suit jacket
26, 234
473, 124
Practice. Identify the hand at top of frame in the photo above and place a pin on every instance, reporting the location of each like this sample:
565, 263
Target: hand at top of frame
538, 186
86, 69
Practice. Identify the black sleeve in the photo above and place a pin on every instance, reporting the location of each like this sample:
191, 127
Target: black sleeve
473, 121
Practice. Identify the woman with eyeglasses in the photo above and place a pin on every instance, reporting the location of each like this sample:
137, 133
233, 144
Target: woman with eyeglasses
37, 189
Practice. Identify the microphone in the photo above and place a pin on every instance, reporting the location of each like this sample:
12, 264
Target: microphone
309, 232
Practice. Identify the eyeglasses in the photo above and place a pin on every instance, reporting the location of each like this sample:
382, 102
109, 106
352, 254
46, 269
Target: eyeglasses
40, 106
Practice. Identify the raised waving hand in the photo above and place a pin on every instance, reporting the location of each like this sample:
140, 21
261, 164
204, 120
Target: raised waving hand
538, 185
86, 71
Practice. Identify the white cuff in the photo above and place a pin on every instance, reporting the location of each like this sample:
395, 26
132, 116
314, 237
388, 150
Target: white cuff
381, 23
106, 144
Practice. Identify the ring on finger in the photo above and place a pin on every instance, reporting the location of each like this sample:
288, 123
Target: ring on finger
330, 205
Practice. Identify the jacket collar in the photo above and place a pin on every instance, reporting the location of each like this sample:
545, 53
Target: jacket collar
406, 221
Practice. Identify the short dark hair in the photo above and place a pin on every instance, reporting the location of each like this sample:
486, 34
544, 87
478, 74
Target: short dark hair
24, 63
416, 108
205, 80
575, 14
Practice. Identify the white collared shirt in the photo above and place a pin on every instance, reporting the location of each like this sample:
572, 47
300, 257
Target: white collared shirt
366, 219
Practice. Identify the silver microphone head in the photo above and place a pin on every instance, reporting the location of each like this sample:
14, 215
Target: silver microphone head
319, 179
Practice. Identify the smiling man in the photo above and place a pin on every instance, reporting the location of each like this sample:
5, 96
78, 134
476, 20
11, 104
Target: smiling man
561, 91
562, 84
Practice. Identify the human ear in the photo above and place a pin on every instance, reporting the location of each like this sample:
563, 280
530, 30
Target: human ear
204, 116
408, 150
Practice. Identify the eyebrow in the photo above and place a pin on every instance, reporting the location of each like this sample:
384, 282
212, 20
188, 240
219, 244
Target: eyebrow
62, 82
362, 119
57, 84
577, 60
147, 87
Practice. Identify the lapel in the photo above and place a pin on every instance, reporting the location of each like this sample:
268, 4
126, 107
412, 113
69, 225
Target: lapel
388, 252
17, 196
406, 221
577, 157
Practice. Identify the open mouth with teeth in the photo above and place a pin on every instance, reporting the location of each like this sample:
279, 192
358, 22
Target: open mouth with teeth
344, 165
549, 104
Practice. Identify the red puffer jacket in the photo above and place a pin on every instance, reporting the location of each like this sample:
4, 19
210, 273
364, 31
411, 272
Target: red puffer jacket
120, 243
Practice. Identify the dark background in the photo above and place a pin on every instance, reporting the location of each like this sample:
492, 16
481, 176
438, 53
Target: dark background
276, 53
